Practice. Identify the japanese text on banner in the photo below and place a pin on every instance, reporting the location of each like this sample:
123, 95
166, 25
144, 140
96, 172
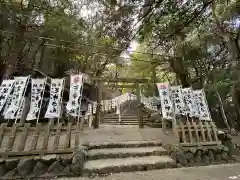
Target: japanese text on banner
166, 104
202, 105
5, 90
177, 99
75, 95
15, 99
54, 106
37, 92
190, 103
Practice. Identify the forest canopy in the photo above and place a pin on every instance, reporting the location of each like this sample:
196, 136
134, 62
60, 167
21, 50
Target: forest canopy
192, 43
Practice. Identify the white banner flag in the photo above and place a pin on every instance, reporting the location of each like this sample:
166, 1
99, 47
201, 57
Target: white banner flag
20, 111
94, 107
5, 90
89, 111
17, 97
166, 104
177, 98
75, 95
54, 105
202, 105
190, 102
37, 92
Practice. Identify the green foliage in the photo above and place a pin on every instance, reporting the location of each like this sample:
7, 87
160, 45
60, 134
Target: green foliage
198, 40
77, 34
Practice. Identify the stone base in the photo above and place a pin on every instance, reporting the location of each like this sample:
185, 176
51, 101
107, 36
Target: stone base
44, 167
202, 156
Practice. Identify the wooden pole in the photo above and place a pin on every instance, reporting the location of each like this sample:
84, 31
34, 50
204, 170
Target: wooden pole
42, 96
22, 99
25, 110
98, 109
140, 116
61, 100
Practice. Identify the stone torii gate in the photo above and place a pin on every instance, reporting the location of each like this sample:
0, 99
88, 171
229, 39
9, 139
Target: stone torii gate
133, 83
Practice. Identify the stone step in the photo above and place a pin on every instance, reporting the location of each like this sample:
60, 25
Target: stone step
154, 125
126, 152
122, 123
125, 144
129, 122
122, 117
122, 120
107, 166
125, 118
124, 113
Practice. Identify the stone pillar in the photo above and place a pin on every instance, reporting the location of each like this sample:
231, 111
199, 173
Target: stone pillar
140, 116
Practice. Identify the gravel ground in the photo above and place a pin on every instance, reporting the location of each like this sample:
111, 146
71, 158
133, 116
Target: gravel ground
214, 172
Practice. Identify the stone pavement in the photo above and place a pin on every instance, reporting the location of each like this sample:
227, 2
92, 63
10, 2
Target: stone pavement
213, 172
117, 133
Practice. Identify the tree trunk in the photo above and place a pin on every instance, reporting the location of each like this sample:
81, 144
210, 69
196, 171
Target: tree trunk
233, 48
154, 78
222, 109
178, 66
235, 98
15, 56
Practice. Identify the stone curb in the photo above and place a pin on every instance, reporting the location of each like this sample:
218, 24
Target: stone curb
122, 145
127, 168
125, 155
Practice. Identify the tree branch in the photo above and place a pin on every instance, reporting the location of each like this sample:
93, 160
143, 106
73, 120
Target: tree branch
196, 14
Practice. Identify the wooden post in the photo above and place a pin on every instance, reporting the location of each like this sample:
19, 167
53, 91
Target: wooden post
48, 131
76, 142
202, 131
23, 137
183, 132
2, 127
12, 137
214, 129
196, 130
36, 136
82, 123
57, 136
68, 136
140, 116
26, 108
175, 128
189, 131
154, 78
98, 109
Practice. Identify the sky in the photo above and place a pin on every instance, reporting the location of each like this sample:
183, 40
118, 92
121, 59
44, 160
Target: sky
126, 54
133, 46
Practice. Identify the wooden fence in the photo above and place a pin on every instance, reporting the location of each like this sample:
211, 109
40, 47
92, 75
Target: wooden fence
197, 132
38, 139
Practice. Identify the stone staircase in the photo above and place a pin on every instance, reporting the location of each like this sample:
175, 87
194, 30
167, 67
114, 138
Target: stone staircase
126, 119
129, 115
127, 156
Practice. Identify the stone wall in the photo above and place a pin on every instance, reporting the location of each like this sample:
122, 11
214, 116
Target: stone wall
45, 166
